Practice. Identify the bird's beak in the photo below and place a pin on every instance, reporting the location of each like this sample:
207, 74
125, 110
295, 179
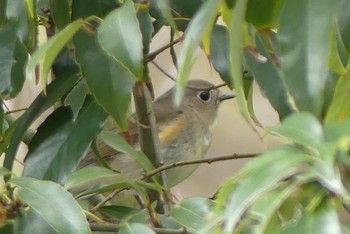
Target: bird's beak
226, 97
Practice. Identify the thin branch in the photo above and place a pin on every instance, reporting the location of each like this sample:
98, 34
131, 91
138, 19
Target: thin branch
163, 71
172, 165
15, 111
149, 57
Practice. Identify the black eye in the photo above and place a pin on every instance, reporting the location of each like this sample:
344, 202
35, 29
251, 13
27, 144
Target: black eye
205, 95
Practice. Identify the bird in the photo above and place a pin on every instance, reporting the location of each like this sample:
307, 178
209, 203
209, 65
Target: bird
185, 132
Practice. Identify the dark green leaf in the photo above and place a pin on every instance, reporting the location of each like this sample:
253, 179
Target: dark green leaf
46, 54
75, 98
108, 81
146, 27
59, 150
23, 13
60, 12
219, 54
86, 8
263, 14
302, 128
54, 204
269, 79
2, 12
183, 11
343, 20
305, 34
135, 228
120, 36
201, 24
117, 212
13, 57
54, 91
331, 83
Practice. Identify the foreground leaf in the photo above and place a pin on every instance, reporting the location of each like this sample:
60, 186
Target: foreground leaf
134, 228
54, 204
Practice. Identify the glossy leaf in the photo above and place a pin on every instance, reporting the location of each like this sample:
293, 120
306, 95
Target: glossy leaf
263, 14
262, 179
135, 228
46, 54
184, 11
201, 24
31, 222
120, 36
109, 82
60, 12
302, 128
193, 213
54, 91
304, 50
13, 57
268, 77
339, 108
75, 98
94, 174
146, 27
119, 144
59, 150
161, 10
54, 204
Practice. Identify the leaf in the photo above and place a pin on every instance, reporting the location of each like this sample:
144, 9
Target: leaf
117, 212
57, 150
46, 54
75, 98
30, 222
302, 128
109, 82
257, 178
13, 57
120, 36
55, 90
135, 228
4, 171
304, 50
193, 213
86, 8
263, 14
339, 109
119, 143
219, 54
161, 11
2, 12
200, 25
54, 204
90, 175
60, 12
146, 27
268, 77
343, 20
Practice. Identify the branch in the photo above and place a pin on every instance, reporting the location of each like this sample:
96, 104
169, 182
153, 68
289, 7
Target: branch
149, 57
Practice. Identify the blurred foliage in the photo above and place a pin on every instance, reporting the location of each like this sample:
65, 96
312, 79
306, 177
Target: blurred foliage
297, 51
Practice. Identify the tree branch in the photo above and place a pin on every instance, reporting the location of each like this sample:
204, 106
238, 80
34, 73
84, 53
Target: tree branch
149, 57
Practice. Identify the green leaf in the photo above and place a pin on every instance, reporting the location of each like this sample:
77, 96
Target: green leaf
4, 171
2, 12
46, 54
23, 13
200, 25
343, 20
334, 131
260, 176
146, 27
161, 11
30, 222
86, 8
60, 12
54, 204
13, 57
57, 150
75, 98
118, 143
90, 175
117, 212
55, 90
302, 128
304, 50
219, 54
109, 82
339, 108
193, 213
120, 36
263, 14
135, 228
184, 11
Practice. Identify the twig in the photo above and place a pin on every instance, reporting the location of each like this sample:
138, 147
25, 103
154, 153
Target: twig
163, 71
171, 165
115, 227
15, 111
149, 57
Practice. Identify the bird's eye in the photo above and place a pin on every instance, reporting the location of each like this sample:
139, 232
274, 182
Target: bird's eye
205, 95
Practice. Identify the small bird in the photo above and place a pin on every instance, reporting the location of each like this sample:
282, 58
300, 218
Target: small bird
184, 131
